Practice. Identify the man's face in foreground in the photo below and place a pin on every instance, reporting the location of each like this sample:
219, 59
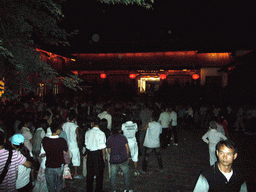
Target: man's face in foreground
226, 155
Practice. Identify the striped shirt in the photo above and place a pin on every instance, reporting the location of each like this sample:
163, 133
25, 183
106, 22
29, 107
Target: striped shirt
9, 182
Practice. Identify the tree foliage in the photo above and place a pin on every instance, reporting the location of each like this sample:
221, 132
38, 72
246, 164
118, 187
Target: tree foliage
144, 3
24, 26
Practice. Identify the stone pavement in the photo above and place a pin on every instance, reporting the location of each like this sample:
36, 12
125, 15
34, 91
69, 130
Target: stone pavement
182, 165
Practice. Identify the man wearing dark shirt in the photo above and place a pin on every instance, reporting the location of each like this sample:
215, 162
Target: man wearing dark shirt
118, 148
54, 147
222, 176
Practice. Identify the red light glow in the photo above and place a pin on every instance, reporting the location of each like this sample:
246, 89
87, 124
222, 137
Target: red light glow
132, 76
75, 72
163, 76
103, 76
195, 76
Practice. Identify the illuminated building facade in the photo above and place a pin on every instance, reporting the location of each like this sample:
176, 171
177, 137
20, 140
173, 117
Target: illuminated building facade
145, 69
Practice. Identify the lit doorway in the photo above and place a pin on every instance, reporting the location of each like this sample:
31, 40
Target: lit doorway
149, 84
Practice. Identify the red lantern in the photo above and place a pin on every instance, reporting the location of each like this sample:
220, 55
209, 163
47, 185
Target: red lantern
103, 76
195, 76
132, 76
162, 76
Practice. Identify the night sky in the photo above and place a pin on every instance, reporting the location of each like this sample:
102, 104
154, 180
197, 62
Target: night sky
199, 21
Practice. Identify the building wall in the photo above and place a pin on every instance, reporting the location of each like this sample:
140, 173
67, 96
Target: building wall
204, 72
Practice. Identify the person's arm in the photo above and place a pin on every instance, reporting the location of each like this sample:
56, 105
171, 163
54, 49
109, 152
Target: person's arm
65, 145
223, 137
104, 154
78, 135
201, 184
109, 150
143, 128
205, 138
243, 187
170, 124
29, 136
127, 150
110, 121
27, 164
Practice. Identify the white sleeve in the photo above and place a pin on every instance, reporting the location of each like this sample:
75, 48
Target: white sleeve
42, 134
102, 142
243, 187
201, 184
85, 139
175, 116
42, 150
110, 121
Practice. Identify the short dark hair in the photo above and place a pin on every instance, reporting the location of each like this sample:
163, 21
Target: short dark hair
43, 123
96, 121
128, 116
55, 126
115, 129
105, 107
104, 123
72, 115
228, 143
155, 116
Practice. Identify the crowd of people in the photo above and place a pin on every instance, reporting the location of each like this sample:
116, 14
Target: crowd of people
45, 138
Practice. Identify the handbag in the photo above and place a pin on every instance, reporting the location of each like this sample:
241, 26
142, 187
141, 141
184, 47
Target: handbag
66, 172
6, 167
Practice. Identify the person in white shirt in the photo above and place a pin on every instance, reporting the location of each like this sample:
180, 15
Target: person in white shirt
129, 129
212, 137
106, 115
173, 126
73, 138
220, 128
25, 131
95, 143
38, 137
152, 142
164, 120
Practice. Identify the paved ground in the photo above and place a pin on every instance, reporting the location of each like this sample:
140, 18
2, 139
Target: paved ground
182, 164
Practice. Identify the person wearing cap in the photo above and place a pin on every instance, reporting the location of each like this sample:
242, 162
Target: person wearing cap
23, 177
212, 137
9, 181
